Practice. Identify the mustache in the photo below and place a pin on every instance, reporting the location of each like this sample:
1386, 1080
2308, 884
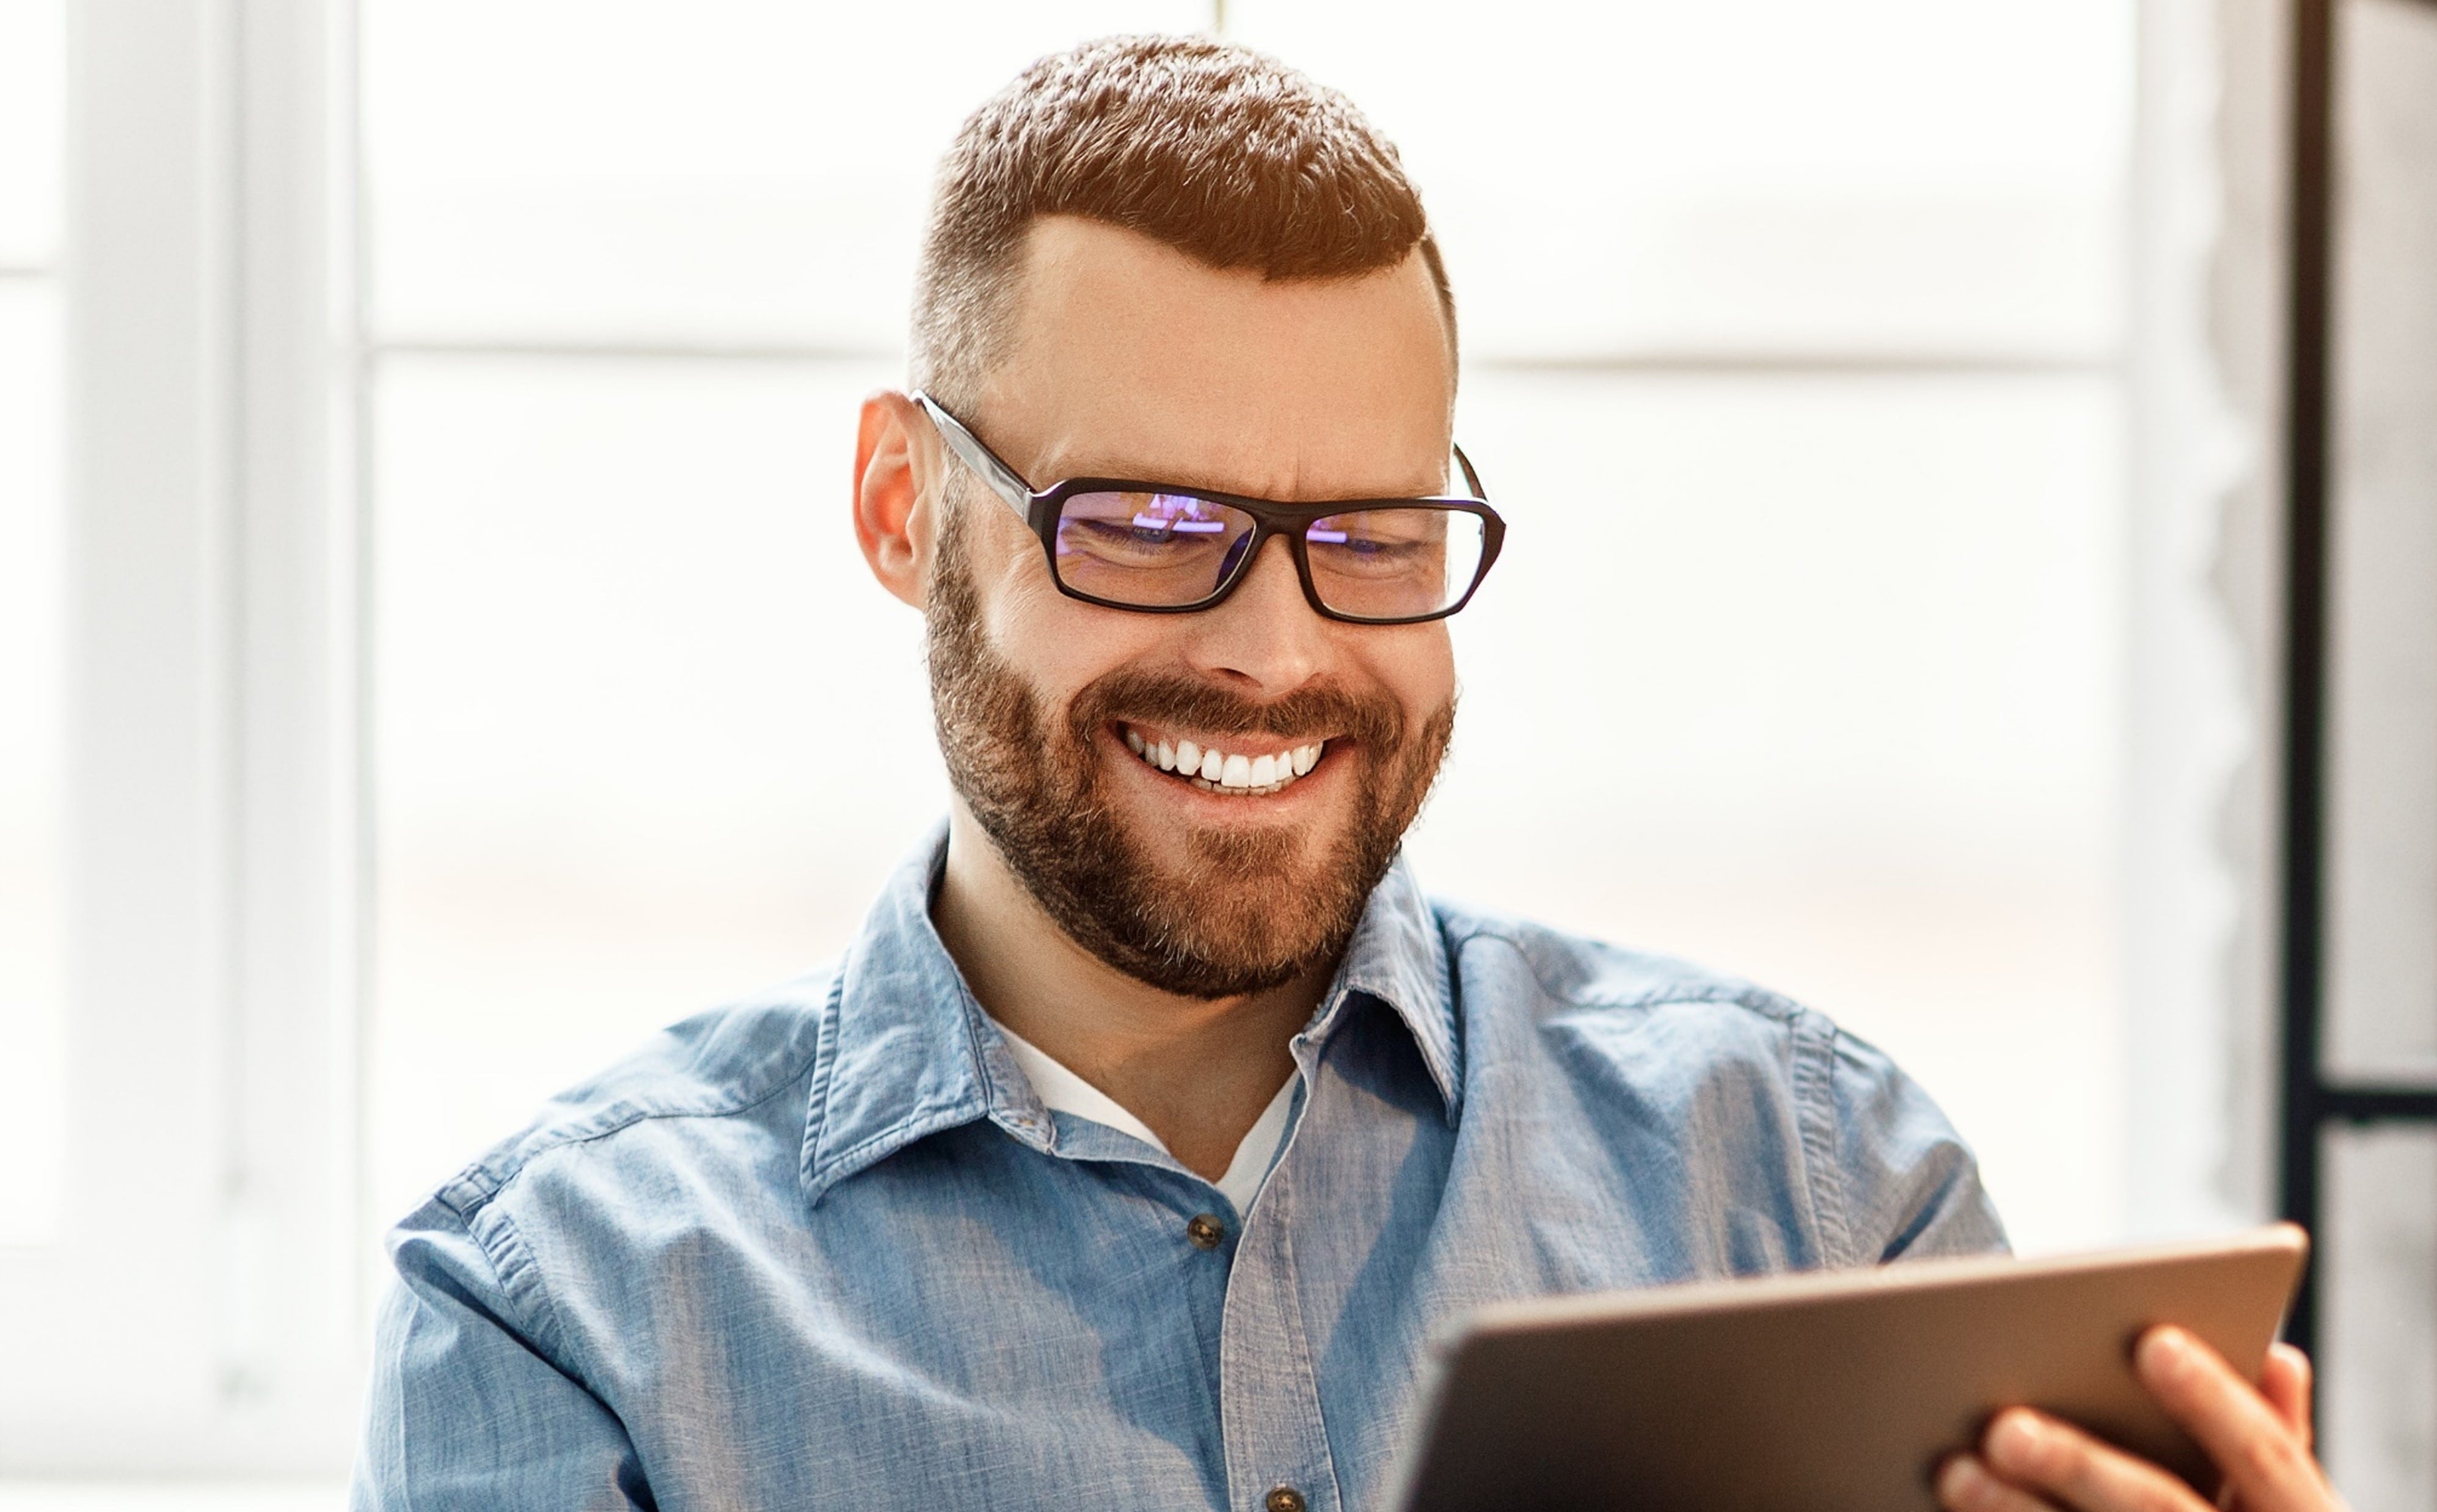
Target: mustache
1164, 699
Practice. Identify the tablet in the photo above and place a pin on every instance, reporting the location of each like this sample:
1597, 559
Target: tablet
1826, 1392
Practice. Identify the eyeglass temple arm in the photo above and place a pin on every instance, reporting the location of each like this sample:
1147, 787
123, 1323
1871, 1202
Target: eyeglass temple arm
1003, 480
1471, 479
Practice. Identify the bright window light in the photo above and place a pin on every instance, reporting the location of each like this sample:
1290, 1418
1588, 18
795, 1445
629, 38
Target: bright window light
32, 705
32, 639
1809, 316
33, 76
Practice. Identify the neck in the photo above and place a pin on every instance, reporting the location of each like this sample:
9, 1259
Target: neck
1198, 1071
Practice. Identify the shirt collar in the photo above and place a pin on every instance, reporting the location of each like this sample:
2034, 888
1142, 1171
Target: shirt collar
906, 1052
1399, 957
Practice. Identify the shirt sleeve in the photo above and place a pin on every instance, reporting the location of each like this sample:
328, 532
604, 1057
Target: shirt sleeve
466, 1410
1912, 1189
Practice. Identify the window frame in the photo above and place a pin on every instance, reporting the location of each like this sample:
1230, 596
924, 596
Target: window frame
2311, 1100
200, 1308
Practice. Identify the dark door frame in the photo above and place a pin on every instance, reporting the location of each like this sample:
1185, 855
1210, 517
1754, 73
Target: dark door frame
2308, 1099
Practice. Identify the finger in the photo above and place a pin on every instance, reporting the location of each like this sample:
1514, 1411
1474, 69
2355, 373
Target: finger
2285, 1380
2060, 1462
1966, 1484
2262, 1457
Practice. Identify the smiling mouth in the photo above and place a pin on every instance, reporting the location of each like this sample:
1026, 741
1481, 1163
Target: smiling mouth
1238, 773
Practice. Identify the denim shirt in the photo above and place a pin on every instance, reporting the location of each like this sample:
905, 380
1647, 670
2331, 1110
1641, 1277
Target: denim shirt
826, 1248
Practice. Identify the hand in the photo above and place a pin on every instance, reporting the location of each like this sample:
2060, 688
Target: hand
2030, 1462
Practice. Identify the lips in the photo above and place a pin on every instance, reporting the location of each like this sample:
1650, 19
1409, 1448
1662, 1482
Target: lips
1252, 769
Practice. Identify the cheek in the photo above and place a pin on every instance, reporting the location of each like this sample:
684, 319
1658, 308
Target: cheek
1415, 663
1060, 645
1020, 606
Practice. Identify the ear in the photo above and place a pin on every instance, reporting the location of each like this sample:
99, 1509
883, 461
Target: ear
895, 513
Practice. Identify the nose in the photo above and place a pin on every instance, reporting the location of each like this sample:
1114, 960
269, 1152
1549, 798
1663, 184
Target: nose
1266, 640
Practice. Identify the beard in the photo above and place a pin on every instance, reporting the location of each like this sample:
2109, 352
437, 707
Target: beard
1251, 909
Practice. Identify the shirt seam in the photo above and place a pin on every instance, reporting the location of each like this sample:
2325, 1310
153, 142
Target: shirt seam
1759, 1000
825, 1037
470, 1193
1815, 1071
995, 1096
518, 1272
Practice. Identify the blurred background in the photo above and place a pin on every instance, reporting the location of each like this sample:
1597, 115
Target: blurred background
433, 652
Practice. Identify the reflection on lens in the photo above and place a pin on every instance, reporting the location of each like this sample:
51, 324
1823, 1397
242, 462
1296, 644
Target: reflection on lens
1155, 549
1393, 563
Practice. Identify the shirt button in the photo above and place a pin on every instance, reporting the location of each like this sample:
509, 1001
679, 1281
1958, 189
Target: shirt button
1283, 1498
1207, 1233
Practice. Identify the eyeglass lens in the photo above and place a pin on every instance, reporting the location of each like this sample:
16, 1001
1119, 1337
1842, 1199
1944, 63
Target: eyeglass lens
1165, 550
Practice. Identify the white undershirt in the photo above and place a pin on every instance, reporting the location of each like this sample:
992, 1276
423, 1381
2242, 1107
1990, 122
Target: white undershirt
1061, 1091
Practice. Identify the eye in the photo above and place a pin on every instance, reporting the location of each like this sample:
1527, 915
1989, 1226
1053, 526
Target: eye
1357, 545
1376, 533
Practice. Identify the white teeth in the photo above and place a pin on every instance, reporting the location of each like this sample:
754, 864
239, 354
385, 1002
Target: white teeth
1214, 770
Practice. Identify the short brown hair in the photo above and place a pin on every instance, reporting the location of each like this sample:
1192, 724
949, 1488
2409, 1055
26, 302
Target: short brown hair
1215, 151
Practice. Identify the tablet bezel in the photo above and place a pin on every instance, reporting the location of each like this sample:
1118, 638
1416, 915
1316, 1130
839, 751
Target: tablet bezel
1929, 1349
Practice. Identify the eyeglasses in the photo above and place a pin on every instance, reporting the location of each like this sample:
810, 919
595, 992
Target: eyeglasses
1168, 550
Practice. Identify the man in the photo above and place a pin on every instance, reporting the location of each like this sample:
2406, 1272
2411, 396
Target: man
1135, 1150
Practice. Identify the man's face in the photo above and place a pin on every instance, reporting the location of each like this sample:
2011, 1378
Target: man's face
1129, 359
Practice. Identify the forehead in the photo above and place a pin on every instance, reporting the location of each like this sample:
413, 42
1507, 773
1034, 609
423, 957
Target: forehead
1126, 357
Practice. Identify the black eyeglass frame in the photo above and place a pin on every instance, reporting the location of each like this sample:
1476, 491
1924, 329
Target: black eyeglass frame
1040, 509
